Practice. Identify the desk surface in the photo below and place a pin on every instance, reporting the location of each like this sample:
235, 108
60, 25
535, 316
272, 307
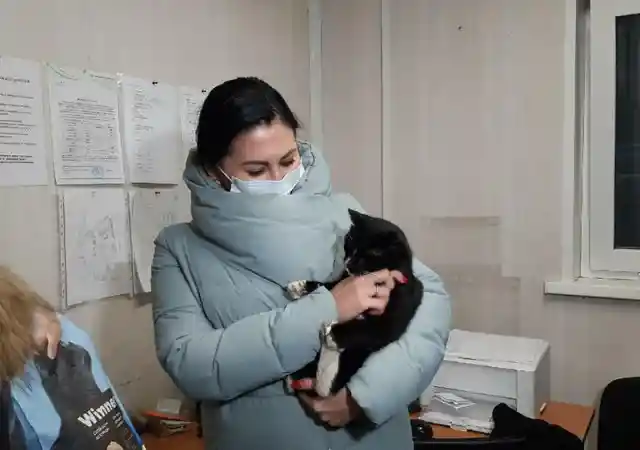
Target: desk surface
185, 441
574, 418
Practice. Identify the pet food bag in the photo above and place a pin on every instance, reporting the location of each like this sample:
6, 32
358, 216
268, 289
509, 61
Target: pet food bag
68, 403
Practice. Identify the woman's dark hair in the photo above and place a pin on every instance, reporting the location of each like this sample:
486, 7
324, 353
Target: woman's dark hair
234, 107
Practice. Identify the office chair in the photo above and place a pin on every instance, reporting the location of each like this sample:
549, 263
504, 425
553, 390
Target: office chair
5, 415
516, 443
619, 413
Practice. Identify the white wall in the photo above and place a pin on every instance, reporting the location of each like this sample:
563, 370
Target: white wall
473, 170
184, 42
351, 85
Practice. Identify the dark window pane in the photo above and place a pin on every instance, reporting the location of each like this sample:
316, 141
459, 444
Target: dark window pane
627, 160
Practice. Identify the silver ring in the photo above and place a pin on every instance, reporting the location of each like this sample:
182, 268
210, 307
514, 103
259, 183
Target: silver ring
376, 295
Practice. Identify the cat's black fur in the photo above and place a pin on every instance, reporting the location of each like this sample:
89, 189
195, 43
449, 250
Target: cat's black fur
371, 244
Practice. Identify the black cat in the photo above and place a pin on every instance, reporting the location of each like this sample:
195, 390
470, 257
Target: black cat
90, 418
371, 244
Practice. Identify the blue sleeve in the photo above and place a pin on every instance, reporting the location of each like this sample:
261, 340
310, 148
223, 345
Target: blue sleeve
209, 363
399, 373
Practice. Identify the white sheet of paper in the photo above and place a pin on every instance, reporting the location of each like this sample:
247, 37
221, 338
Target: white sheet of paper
190, 103
85, 127
151, 211
22, 135
151, 131
96, 245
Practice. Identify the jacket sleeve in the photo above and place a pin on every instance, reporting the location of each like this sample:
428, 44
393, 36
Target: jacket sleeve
220, 364
399, 373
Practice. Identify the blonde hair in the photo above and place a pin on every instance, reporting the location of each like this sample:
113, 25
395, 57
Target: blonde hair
18, 304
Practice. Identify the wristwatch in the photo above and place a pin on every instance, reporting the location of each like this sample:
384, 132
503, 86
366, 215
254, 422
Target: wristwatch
326, 335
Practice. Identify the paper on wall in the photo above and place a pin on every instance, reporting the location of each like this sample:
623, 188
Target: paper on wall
22, 134
85, 127
190, 103
151, 211
95, 244
151, 131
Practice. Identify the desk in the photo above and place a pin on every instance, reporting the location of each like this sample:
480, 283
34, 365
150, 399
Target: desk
185, 441
574, 418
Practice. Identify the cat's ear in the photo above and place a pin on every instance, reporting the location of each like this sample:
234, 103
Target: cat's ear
356, 217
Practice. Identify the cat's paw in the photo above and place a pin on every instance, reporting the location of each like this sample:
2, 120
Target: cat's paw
297, 289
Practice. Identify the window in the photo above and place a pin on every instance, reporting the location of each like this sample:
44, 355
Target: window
601, 193
626, 217
613, 137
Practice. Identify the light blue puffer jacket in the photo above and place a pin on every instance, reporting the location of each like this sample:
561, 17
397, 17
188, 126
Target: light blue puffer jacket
227, 335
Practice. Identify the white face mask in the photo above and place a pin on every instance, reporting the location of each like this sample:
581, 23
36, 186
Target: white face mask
274, 187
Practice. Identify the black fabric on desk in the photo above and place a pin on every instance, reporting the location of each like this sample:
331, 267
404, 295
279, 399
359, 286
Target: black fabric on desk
538, 434
511, 431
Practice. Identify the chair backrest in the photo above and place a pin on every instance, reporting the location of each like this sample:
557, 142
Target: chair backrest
5, 416
488, 443
619, 413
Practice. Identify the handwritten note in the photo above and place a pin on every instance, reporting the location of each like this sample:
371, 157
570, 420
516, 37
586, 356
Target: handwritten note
151, 131
22, 135
85, 126
95, 239
151, 211
190, 103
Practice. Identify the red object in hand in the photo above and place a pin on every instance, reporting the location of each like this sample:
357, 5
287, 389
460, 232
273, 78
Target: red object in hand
305, 384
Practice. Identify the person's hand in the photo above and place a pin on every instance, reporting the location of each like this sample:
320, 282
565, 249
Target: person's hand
46, 332
336, 410
370, 292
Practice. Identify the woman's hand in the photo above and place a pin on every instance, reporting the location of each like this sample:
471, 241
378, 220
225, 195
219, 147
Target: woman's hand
337, 410
370, 292
46, 332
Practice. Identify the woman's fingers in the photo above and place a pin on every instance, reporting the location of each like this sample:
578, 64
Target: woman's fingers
377, 305
383, 282
380, 277
46, 332
380, 291
53, 339
365, 293
385, 277
398, 277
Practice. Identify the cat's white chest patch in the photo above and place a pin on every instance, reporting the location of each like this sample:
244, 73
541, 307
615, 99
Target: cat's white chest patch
328, 365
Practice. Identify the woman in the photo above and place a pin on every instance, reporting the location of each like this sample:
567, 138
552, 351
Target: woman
52, 380
28, 325
263, 216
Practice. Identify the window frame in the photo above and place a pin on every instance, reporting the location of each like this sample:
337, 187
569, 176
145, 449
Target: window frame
601, 138
587, 237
